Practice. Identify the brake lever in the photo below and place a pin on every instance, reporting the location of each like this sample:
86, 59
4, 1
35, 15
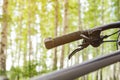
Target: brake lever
80, 47
75, 51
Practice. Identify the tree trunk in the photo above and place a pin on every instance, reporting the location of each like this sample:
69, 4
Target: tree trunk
56, 25
118, 74
79, 16
97, 50
65, 24
3, 44
29, 39
102, 48
79, 27
85, 57
19, 39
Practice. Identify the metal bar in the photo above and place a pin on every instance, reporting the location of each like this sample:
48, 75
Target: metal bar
81, 69
3, 77
110, 26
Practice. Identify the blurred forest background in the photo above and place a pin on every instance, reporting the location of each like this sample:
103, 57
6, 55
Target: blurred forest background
24, 24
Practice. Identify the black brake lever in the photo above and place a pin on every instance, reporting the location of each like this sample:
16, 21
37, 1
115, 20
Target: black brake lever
80, 47
75, 51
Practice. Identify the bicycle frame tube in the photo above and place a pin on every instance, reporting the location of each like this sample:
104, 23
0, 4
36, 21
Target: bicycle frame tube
81, 69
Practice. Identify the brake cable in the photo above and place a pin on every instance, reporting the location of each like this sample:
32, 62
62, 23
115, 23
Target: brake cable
118, 41
111, 35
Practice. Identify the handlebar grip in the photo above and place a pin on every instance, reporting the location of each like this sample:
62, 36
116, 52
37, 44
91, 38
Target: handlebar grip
54, 42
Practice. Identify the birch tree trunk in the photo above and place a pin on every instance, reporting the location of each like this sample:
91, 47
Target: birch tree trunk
19, 39
65, 24
118, 67
97, 50
3, 44
29, 37
102, 48
56, 26
79, 27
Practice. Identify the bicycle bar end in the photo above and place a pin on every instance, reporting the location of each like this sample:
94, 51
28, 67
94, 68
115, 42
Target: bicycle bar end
49, 43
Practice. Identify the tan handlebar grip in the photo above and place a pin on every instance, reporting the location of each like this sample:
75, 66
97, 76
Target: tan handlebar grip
54, 42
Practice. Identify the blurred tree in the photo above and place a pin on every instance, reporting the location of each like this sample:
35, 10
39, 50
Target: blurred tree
56, 31
30, 47
3, 44
102, 23
79, 27
65, 27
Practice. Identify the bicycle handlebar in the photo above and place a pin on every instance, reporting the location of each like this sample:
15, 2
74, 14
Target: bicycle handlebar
54, 42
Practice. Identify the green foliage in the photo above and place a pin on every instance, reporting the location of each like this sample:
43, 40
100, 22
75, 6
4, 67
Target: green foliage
30, 69
15, 73
26, 71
